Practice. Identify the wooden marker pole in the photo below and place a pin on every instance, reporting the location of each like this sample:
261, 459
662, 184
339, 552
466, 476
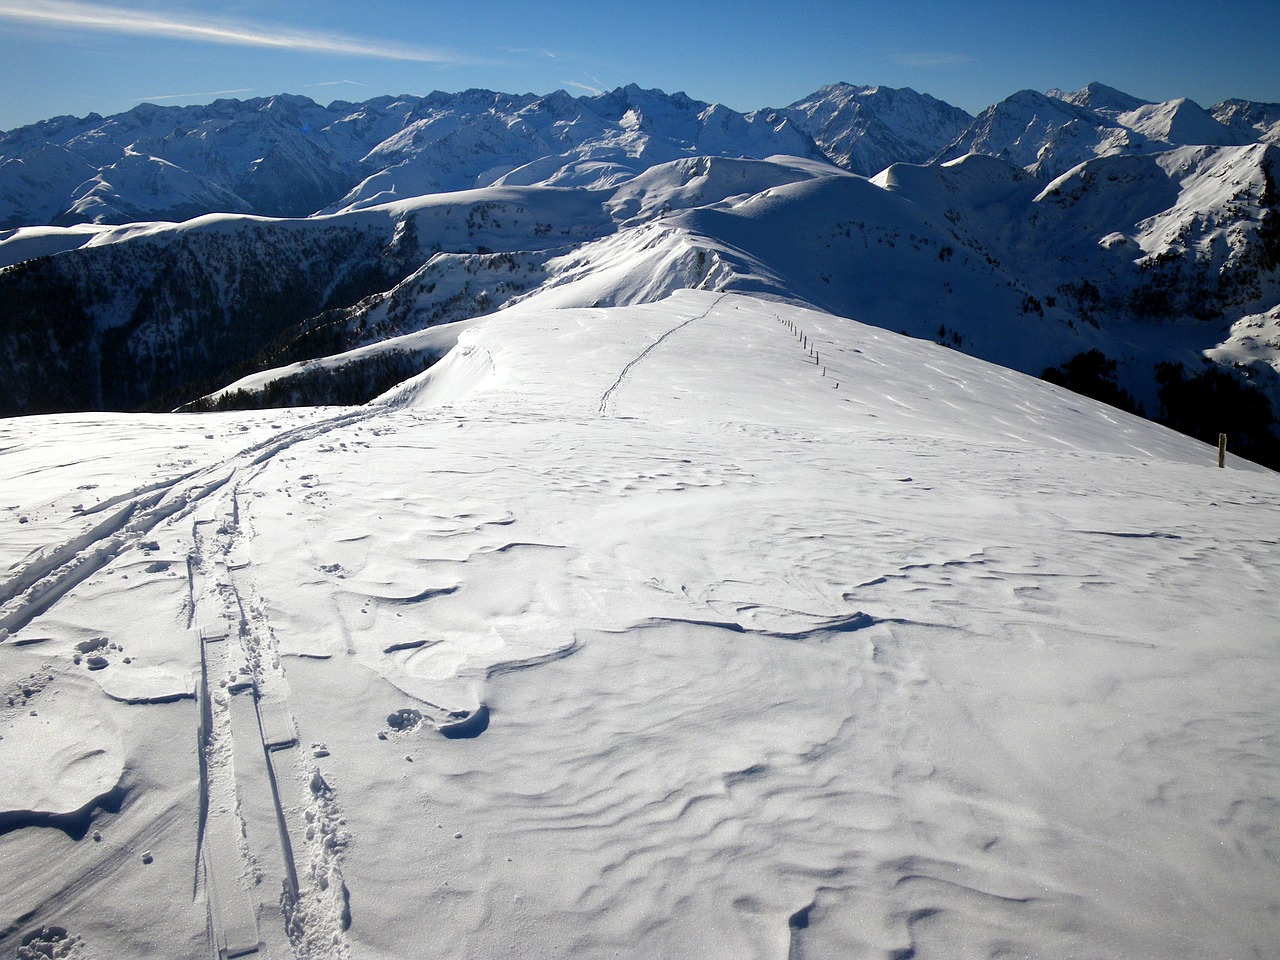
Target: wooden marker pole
1222, 450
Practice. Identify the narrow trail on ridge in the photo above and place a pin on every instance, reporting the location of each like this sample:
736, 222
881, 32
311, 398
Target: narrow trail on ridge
607, 397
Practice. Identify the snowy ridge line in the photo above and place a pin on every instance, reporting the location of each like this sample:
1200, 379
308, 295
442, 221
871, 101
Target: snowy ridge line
612, 388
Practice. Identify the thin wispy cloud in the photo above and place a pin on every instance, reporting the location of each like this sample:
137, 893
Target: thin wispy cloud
204, 93
595, 87
77, 15
337, 83
524, 52
932, 59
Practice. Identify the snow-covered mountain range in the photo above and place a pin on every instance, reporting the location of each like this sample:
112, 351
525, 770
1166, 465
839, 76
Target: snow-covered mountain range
1049, 134
287, 156
1050, 229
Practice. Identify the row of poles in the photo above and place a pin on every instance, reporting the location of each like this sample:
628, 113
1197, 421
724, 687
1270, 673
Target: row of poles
803, 339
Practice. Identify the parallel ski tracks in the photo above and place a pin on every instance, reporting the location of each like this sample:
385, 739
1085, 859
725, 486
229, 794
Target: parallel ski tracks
246, 739
44, 579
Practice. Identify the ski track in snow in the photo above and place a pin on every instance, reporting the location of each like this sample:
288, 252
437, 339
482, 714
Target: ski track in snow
734, 662
607, 396
56, 571
39, 583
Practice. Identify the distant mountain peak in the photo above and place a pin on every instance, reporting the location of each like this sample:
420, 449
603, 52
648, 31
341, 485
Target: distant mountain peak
1049, 133
1098, 96
1250, 119
867, 128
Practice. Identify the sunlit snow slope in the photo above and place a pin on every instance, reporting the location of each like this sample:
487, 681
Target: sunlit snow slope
711, 627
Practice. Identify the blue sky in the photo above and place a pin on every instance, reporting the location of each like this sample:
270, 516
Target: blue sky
82, 56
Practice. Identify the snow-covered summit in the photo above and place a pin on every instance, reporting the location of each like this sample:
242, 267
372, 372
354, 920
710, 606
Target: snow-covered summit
1049, 134
1250, 119
1181, 122
1100, 98
866, 128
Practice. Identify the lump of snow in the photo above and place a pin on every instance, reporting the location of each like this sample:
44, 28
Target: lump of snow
62, 766
147, 684
1118, 241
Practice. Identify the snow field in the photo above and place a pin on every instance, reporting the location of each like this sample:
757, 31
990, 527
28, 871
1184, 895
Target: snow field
941, 661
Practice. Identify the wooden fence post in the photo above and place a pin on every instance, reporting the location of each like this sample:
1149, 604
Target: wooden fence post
1222, 450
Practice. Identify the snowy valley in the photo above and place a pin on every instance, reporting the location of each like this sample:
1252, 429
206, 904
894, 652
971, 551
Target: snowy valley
686, 557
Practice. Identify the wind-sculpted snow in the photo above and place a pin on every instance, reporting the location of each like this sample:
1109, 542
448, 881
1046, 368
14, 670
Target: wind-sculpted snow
709, 627
61, 766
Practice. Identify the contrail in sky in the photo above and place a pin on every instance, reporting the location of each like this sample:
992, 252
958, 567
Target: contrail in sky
73, 14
